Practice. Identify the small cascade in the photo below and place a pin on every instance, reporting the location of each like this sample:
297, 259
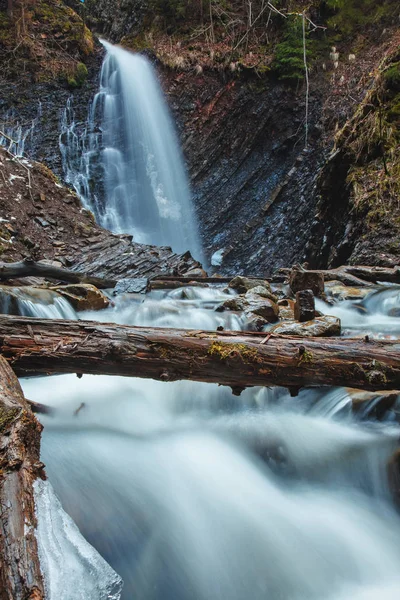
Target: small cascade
19, 135
378, 314
80, 153
130, 146
191, 493
35, 302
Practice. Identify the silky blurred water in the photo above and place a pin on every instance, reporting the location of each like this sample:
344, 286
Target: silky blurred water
191, 493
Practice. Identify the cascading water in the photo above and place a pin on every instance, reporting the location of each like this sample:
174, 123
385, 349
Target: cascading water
34, 302
191, 493
146, 191
18, 136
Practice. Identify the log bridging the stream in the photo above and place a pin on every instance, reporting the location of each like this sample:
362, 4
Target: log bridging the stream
20, 466
237, 359
30, 268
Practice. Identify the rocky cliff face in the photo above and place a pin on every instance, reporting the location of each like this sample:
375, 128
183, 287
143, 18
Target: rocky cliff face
42, 219
114, 20
358, 187
244, 141
36, 110
262, 199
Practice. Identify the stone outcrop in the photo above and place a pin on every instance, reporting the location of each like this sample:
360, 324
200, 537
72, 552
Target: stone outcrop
83, 296
300, 280
304, 308
319, 327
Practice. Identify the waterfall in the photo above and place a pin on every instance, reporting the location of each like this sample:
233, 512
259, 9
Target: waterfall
145, 190
19, 135
79, 149
191, 493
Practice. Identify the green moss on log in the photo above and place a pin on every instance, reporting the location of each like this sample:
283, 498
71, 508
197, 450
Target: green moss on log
7, 416
225, 351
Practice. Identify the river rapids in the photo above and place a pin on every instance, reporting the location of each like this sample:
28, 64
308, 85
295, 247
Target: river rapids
191, 493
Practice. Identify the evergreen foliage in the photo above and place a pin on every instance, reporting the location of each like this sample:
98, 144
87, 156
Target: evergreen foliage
288, 62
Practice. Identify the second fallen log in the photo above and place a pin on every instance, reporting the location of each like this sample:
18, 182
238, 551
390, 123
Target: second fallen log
20, 466
236, 359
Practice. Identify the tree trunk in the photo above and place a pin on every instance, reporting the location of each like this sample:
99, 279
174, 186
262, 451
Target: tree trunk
237, 359
28, 268
20, 574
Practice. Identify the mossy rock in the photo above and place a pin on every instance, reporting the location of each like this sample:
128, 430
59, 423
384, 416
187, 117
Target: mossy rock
78, 77
392, 77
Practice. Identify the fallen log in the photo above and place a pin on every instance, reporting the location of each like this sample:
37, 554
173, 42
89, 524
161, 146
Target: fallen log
29, 268
355, 275
237, 359
20, 466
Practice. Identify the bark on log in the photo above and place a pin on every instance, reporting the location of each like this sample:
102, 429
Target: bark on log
236, 359
20, 466
28, 268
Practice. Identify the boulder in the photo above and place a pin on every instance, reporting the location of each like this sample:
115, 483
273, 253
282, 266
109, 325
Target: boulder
339, 291
236, 303
241, 285
83, 296
267, 309
319, 327
258, 292
134, 285
304, 308
286, 309
255, 322
196, 272
259, 306
300, 280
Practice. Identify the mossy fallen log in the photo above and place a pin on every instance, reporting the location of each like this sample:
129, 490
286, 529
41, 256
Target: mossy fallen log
20, 466
236, 359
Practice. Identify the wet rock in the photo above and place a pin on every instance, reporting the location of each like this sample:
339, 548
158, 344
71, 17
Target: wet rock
286, 309
339, 291
260, 291
83, 296
241, 285
267, 309
260, 302
319, 327
197, 272
300, 280
236, 303
255, 322
375, 405
259, 306
304, 308
137, 285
